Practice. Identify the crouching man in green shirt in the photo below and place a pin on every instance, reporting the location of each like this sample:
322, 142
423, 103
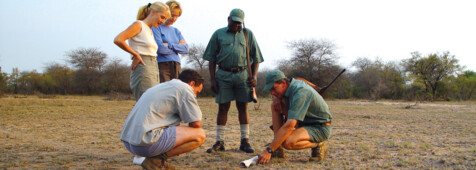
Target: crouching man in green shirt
308, 122
152, 128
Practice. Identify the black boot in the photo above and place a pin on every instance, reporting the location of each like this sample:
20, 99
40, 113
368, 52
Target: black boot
218, 146
245, 146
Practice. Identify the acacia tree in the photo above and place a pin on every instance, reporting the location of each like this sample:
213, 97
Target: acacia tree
313, 59
432, 69
195, 56
88, 63
367, 79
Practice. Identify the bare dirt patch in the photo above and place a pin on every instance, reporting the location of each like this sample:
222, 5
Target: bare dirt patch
83, 132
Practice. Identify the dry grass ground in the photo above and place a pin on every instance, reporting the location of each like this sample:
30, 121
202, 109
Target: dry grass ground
83, 132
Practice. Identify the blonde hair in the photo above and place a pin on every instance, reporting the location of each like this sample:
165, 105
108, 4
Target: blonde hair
156, 6
173, 4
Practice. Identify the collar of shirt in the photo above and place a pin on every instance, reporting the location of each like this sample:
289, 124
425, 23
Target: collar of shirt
228, 30
288, 91
189, 88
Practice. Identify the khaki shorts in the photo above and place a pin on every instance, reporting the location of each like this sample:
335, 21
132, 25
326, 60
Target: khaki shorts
232, 86
144, 77
318, 133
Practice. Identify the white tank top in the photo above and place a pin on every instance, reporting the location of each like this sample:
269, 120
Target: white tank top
144, 42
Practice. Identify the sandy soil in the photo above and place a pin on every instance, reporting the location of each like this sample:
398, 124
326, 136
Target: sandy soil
83, 132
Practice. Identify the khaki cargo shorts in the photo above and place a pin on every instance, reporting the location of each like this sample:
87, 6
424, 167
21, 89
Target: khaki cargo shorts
232, 86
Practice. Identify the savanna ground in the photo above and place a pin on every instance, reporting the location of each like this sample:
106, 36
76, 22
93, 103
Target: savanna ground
83, 132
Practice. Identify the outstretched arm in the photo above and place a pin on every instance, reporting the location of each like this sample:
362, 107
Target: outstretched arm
279, 138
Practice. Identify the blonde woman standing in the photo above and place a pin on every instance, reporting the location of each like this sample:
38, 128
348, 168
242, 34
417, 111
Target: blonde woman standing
142, 46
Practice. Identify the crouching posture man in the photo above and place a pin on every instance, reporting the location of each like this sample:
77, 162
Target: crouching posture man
307, 118
151, 130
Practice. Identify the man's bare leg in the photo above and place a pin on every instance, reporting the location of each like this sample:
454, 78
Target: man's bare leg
299, 139
220, 128
223, 113
186, 140
244, 127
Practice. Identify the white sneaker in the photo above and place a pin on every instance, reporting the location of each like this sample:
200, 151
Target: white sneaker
138, 160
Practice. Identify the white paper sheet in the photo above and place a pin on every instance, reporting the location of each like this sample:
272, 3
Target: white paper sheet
247, 163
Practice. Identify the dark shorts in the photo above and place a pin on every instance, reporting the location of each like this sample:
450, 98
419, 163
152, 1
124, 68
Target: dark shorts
169, 70
318, 133
165, 143
232, 86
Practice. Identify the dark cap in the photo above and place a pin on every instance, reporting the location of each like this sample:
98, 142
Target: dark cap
237, 15
273, 77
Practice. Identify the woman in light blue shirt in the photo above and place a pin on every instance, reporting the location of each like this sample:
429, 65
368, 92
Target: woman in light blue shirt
171, 43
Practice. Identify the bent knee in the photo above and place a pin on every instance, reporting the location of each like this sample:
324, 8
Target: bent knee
200, 136
289, 145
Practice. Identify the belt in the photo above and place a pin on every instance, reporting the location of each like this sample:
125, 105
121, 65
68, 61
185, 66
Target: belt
233, 70
311, 124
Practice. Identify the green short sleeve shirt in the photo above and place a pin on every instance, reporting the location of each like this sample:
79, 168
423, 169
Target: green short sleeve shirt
305, 104
228, 49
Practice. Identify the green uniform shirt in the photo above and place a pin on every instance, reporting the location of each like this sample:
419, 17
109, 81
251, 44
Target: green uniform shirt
305, 104
228, 49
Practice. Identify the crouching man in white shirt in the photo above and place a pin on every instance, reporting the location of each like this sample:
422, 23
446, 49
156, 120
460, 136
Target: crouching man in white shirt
151, 130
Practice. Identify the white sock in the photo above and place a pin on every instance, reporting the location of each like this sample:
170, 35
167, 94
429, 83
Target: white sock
138, 160
245, 130
220, 133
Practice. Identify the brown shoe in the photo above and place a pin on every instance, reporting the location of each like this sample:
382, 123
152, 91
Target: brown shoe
318, 153
157, 162
218, 146
278, 153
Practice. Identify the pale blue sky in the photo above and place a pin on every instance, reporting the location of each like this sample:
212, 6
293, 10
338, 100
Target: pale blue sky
34, 33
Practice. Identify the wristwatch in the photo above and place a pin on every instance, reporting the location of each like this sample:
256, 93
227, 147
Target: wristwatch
269, 150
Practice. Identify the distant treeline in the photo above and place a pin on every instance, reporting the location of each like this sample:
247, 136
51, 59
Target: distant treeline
435, 76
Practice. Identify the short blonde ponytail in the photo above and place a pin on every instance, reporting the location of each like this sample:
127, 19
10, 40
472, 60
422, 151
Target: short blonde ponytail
157, 6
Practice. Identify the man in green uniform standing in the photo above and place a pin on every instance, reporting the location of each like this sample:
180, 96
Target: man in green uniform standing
227, 49
308, 122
